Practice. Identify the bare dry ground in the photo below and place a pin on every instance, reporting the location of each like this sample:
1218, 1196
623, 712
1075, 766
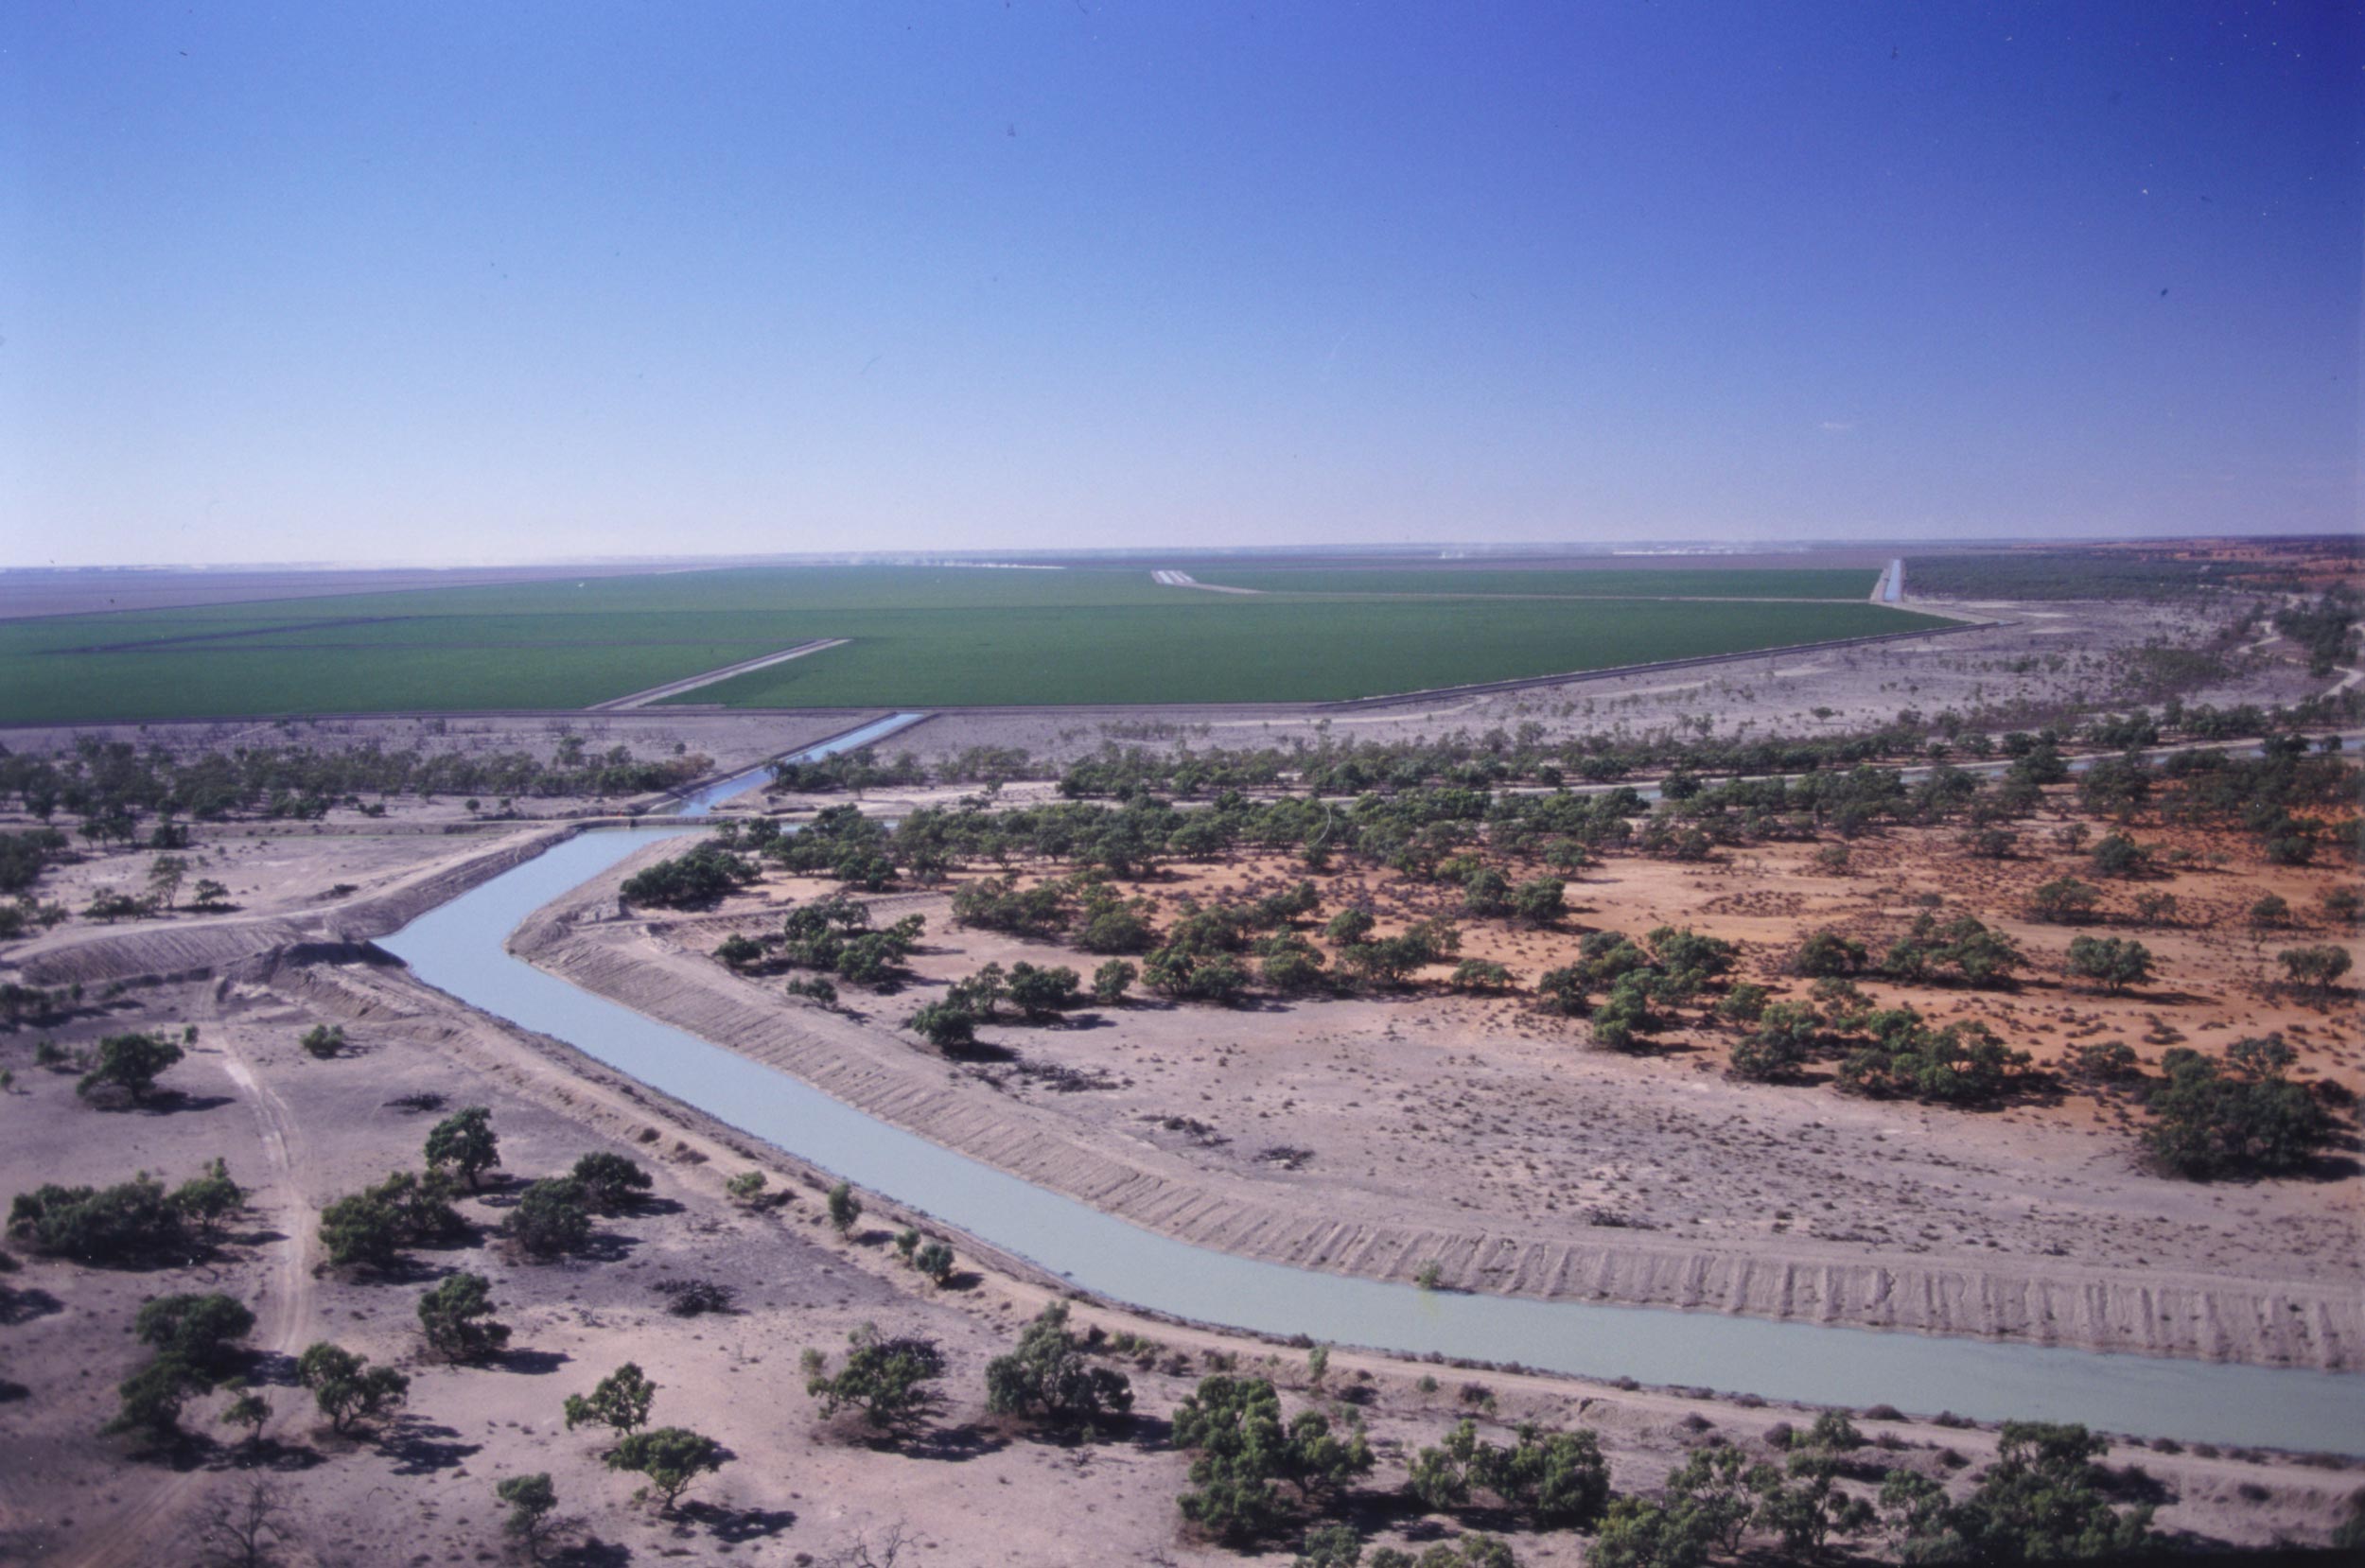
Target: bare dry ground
1426, 1124
299, 1131
1374, 1134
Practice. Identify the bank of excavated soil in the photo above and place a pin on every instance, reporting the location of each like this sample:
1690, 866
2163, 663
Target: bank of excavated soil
1376, 1136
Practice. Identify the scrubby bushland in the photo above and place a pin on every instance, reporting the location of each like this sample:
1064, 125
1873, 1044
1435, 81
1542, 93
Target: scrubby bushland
702, 875
611, 1183
890, 1380
464, 1140
1241, 1453
457, 1318
346, 1387
673, 1458
132, 1222
620, 1401
369, 1229
551, 1218
128, 1065
2234, 1115
1049, 1375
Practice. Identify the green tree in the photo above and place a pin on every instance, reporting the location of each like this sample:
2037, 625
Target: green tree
845, 1208
1711, 1491
1539, 901
1350, 926
947, 1025
2115, 963
346, 1387
530, 1500
935, 1259
2045, 1500
1637, 1533
1828, 953
151, 1398
621, 1400
1559, 1478
466, 1142
671, 1458
2316, 969
1786, 1038
1478, 974
1043, 993
457, 1318
322, 1042
1442, 1476
1475, 1550
201, 1331
1807, 1508
1485, 893
250, 1410
361, 1230
2065, 901
1112, 981
1330, 1547
1049, 1375
129, 1222
166, 874
2119, 856
2234, 1116
550, 1219
131, 1063
1242, 1450
1563, 991
889, 1380
611, 1183
210, 896
209, 1198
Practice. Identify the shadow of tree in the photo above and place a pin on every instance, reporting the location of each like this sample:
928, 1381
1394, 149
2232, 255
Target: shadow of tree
592, 1552
738, 1526
948, 1444
531, 1363
23, 1306
420, 1447
271, 1455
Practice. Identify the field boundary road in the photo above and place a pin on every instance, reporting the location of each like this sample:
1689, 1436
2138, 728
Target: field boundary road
691, 683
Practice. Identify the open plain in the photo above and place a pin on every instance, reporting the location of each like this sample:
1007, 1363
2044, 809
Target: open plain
1463, 1134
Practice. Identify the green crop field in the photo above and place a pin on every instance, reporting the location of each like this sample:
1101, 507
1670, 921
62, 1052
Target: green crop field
919, 637
1603, 583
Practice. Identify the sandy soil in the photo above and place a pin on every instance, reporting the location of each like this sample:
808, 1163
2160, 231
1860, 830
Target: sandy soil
1373, 1135
299, 1131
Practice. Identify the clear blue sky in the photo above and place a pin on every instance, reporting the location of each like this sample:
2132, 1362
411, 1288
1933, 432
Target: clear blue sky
496, 282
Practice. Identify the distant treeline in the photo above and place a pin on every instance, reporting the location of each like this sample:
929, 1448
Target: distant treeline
1528, 756
111, 784
1416, 831
2085, 574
